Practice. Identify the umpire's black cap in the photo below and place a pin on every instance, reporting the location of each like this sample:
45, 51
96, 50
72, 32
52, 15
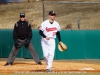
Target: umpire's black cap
52, 13
22, 14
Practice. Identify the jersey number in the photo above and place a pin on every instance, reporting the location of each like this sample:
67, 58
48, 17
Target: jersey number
54, 33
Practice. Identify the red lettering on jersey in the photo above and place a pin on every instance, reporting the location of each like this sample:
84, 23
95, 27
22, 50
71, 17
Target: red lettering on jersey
51, 29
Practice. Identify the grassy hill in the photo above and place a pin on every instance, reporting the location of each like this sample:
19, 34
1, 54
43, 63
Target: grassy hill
9, 14
68, 15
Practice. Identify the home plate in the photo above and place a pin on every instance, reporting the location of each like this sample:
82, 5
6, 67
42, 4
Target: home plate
86, 69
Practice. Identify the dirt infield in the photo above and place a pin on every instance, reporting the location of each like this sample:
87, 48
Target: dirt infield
28, 65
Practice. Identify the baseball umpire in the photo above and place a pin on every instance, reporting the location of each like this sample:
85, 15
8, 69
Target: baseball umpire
22, 35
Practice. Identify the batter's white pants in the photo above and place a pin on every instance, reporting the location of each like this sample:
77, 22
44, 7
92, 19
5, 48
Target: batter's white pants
48, 47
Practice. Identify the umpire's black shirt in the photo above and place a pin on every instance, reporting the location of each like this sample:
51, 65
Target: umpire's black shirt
22, 30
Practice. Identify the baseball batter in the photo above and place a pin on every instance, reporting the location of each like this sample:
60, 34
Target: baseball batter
48, 30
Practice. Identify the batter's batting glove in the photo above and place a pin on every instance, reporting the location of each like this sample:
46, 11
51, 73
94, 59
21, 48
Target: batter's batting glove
26, 44
16, 44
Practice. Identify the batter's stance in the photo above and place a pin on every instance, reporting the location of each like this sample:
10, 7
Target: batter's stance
48, 30
22, 35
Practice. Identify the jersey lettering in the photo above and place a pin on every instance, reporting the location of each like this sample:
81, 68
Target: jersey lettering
51, 29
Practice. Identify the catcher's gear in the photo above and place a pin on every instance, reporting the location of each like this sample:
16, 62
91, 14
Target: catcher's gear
62, 47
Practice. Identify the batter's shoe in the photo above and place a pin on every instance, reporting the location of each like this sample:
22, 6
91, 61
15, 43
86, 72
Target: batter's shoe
7, 64
49, 70
39, 63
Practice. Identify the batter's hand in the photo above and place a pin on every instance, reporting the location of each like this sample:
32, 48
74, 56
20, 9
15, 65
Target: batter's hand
47, 38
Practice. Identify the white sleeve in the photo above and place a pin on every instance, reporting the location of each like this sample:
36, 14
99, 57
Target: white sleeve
41, 27
58, 28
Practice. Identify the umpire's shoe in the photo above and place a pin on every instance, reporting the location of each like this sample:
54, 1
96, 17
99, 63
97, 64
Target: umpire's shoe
39, 63
7, 64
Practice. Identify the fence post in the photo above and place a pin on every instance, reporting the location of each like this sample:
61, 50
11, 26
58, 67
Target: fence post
78, 23
28, 0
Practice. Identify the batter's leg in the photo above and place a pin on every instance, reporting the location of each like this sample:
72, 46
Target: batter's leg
51, 52
46, 60
50, 61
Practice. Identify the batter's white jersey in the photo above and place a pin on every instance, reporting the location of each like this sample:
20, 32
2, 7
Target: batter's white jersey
48, 46
49, 29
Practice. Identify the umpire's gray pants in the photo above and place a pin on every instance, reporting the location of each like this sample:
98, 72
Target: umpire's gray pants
15, 51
